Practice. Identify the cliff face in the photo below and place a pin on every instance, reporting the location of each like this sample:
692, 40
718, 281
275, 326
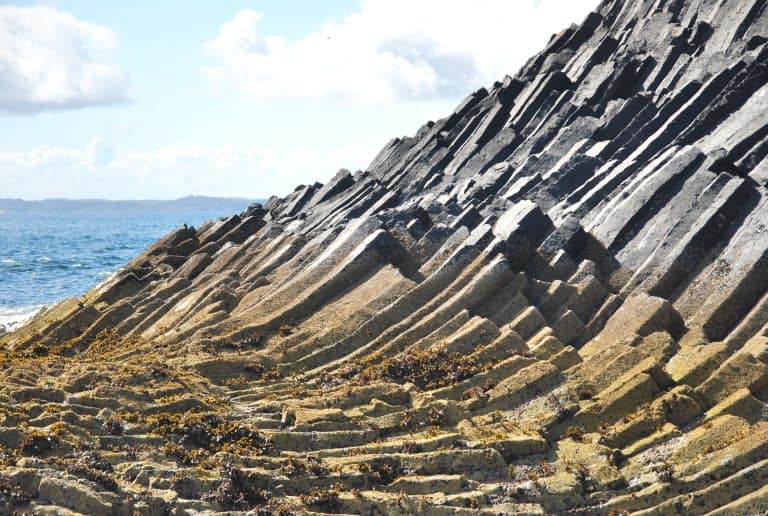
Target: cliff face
555, 299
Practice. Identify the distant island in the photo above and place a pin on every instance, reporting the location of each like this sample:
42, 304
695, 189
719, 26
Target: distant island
194, 202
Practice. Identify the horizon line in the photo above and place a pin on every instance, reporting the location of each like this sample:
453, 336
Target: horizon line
101, 199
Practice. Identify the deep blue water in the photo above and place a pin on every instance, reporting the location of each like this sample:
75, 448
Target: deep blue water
49, 254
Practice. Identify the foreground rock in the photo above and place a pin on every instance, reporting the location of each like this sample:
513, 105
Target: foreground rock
554, 300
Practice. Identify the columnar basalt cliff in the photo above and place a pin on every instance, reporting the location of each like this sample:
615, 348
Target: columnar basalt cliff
555, 300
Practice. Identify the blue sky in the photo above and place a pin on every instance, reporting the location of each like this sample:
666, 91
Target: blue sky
164, 99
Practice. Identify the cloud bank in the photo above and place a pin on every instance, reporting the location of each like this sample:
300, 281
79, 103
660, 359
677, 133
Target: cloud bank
50, 60
102, 170
391, 50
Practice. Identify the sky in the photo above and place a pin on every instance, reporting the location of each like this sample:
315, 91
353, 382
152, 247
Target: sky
163, 99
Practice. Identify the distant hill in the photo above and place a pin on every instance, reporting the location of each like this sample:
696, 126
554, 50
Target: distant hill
223, 204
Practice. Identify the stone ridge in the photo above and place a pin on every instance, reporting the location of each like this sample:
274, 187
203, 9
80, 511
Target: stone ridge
555, 300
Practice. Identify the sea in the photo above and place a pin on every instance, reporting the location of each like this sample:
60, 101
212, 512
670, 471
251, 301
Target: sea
55, 249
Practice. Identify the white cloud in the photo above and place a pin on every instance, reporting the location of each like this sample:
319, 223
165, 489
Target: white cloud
98, 154
51, 60
100, 169
391, 49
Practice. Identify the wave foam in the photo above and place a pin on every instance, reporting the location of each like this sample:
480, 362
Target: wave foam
12, 318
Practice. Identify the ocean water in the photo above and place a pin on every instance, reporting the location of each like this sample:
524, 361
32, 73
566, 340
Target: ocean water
48, 253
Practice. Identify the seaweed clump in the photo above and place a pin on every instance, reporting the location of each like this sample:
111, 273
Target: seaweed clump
91, 466
158, 370
664, 472
411, 447
184, 457
304, 465
482, 393
532, 472
184, 485
38, 444
379, 473
253, 341
211, 432
575, 433
236, 491
12, 495
323, 498
84, 471
430, 369
113, 425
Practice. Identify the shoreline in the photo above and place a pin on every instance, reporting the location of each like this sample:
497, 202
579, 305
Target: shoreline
12, 318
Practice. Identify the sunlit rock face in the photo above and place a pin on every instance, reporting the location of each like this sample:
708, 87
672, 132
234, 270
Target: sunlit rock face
554, 299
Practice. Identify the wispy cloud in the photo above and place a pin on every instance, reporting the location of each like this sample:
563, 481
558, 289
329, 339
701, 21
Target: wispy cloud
391, 49
50, 60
